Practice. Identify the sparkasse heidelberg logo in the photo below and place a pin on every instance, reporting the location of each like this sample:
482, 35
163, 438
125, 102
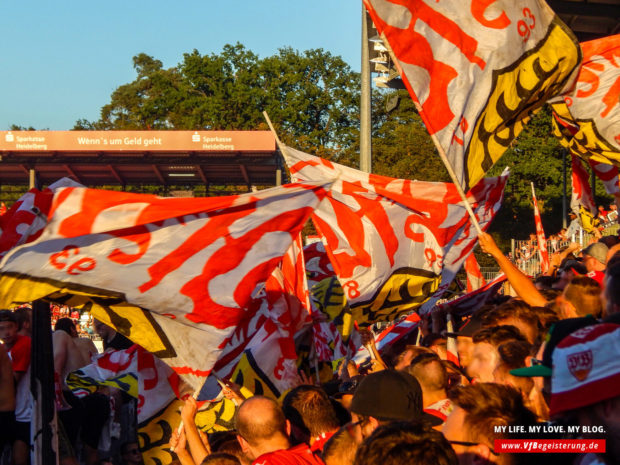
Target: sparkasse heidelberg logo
580, 364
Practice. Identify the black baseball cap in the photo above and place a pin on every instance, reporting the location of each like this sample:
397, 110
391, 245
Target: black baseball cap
390, 395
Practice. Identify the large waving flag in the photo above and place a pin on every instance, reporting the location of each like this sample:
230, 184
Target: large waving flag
395, 244
608, 174
475, 280
590, 113
478, 69
170, 274
540, 235
581, 197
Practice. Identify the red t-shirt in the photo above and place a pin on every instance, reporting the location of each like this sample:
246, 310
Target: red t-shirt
20, 354
298, 455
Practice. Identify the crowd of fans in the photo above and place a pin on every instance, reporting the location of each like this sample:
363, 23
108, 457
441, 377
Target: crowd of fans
548, 357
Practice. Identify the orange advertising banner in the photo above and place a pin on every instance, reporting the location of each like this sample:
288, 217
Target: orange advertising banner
138, 141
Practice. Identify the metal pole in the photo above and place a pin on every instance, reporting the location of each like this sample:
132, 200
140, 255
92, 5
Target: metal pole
365, 116
564, 202
32, 178
43, 428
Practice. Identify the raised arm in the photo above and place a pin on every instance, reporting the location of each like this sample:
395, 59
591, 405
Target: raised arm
523, 286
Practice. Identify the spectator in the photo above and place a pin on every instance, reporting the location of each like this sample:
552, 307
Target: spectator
341, 447
433, 379
516, 313
24, 320
478, 409
404, 443
130, 454
612, 291
464, 342
220, 458
18, 348
584, 384
7, 399
595, 257
485, 356
386, 396
581, 297
311, 415
263, 432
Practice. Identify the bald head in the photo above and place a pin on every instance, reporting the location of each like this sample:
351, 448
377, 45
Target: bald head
260, 419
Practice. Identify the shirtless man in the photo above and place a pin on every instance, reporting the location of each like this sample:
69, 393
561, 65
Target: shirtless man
70, 351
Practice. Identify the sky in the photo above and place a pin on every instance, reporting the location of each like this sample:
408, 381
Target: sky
61, 61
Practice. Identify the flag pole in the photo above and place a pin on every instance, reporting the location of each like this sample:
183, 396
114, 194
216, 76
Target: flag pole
275, 134
457, 184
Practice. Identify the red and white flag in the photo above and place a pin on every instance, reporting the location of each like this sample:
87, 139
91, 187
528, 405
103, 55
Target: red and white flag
478, 69
591, 109
26, 218
395, 244
475, 280
582, 193
194, 264
608, 174
389, 336
540, 235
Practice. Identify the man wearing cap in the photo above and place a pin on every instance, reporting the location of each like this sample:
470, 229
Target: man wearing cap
595, 260
386, 396
585, 385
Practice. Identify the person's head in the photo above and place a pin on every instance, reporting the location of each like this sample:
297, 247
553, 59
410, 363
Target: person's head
403, 359
514, 355
432, 376
24, 320
437, 344
8, 328
405, 443
516, 313
388, 395
67, 325
130, 453
341, 447
105, 331
261, 427
220, 458
485, 356
612, 290
464, 343
310, 412
478, 410
595, 256
581, 297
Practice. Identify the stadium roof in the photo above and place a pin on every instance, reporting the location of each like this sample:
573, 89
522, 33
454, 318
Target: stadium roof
140, 157
589, 20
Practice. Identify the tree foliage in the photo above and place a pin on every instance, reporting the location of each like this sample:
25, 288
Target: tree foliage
313, 99
312, 96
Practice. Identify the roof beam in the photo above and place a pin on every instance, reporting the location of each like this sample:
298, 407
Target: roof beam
201, 173
602, 10
157, 172
244, 173
72, 173
116, 175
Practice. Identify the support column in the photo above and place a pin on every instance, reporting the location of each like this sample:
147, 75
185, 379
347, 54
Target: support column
365, 109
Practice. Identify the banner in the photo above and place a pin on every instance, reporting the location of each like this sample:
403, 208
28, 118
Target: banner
540, 235
395, 244
472, 301
477, 69
592, 108
171, 274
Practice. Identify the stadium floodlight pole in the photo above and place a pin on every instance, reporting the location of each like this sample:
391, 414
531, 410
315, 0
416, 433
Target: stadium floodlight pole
365, 109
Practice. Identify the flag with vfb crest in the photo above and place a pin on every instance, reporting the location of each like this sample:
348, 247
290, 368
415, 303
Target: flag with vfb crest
588, 116
395, 244
477, 69
171, 274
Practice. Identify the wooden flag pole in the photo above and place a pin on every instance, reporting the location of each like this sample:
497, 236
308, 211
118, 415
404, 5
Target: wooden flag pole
452, 174
275, 134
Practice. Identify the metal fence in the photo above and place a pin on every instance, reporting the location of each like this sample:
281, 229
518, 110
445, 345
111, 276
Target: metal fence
526, 256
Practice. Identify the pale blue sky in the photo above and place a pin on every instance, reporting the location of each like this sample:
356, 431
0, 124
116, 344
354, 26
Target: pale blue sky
60, 61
